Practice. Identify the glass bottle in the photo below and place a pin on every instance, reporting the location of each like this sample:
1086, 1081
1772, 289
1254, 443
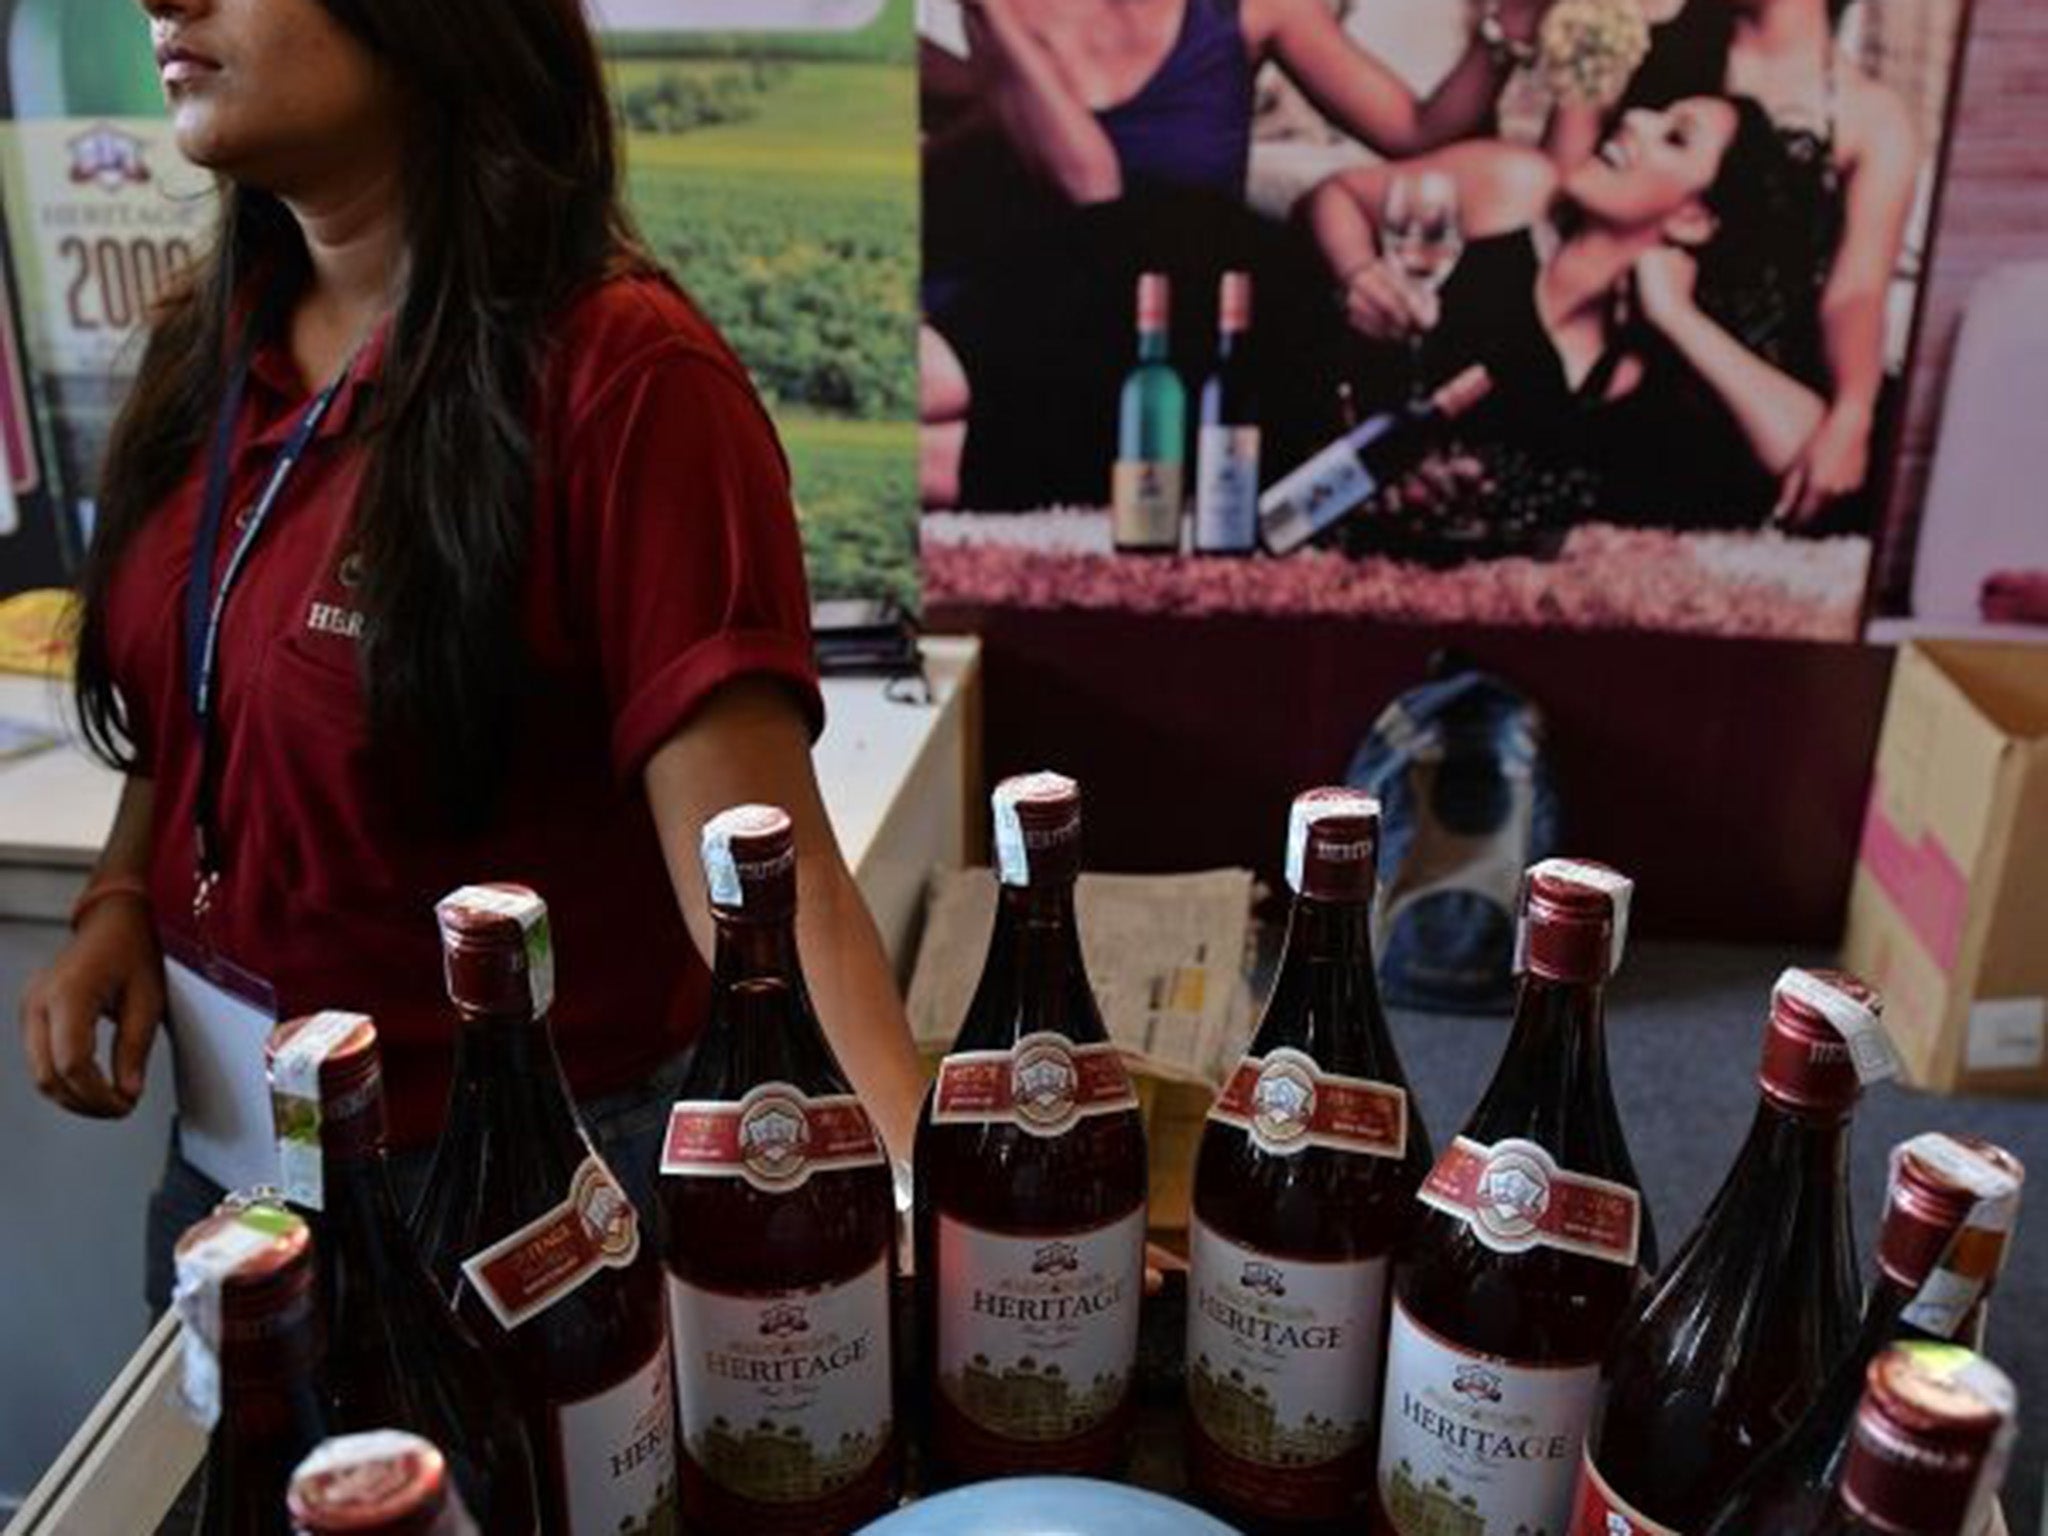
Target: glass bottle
383, 1482
1227, 439
1151, 428
1532, 1244
526, 1230
1030, 1186
400, 1356
779, 1220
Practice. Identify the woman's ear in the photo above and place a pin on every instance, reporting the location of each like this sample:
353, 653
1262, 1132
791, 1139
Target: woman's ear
1691, 226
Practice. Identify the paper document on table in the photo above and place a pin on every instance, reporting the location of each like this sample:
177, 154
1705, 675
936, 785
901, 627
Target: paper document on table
1166, 954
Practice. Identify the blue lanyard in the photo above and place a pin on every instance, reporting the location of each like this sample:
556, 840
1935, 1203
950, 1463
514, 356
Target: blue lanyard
206, 602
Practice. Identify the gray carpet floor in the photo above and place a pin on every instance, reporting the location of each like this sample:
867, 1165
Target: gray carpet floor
1685, 1024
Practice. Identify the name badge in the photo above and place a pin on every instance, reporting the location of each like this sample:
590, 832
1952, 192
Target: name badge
220, 1016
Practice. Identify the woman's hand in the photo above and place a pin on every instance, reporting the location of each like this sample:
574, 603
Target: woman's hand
1834, 464
111, 968
1665, 278
1382, 304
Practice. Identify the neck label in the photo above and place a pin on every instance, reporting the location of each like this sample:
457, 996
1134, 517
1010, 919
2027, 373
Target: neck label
774, 1136
1513, 1196
524, 1273
1971, 1264
1870, 1048
1046, 1085
1286, 1103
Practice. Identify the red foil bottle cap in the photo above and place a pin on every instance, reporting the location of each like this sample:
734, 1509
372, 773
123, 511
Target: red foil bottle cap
496, 949
245, 1274
1574, 921
1037, 829
1929, 1440
1235, 302
1809, 1063
384, 1481
750, 863
1936, 1183
329, 1061
1155, 296
1333, 843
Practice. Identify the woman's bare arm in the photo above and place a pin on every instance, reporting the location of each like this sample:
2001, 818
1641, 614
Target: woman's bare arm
1046, 121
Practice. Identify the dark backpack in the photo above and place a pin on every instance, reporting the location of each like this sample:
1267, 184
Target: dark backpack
1466, 805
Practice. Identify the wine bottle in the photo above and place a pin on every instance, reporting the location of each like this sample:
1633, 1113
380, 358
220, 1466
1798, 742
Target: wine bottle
779, 1221
400, 1356
1722, 1355
1939, 1185
1151, 427
526, 1230
1227, 443
1030, 1185
1932, 1437
377, 1483
1304, 1184
1533, 1240
1341, 477
1953, 1303
245, 1292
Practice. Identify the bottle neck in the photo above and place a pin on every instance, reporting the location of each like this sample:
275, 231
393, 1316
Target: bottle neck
1325, 998
357, 1199
1035, 978
1152, 347
1229, 343
1554, 1069
762, 1027
748, 950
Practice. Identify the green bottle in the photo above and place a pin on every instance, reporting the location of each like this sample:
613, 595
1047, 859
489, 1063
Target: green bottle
1151, 435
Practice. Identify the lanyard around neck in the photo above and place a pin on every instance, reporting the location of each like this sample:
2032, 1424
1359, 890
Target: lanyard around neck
206, 600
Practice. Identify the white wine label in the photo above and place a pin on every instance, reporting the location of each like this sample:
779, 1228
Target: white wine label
295, 1102
1600, 1511
526, 909
1856, 1021
1037, 1336
523, 1274
1045, 1085
1227, 487
1512, 1196
774, 1136
1145, 502
725, 873
1285, 1102
1475, 1444
619, 1454
784, 1397
1283, 1354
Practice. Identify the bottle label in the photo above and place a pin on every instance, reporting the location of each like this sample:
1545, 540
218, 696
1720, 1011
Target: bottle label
1285, 1102
1600, 1511
785, 1397
774, 1136
1227, 487
1145, 498
1315, 496
295, 1103
1514, 1197
1045, 1085
619, 1454
1037, 1335
1283, 1356
523, 1274
1476, 1444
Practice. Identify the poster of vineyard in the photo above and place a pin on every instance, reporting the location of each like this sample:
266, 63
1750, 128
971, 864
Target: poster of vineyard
774, 171
1568, 313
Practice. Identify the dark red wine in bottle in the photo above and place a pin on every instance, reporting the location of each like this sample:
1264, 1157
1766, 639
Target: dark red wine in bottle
1932, 1437
779, 1221
245, 1290
1953, 1303
384, 1482
1941, 1188
1530, 1248
525, 1228
400, 1357
1304, 1185
1721, 1356
1030, 1186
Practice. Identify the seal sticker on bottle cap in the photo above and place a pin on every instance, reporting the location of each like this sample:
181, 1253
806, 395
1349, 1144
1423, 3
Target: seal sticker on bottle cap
1612, 884
1856, 1021
203, 1268
526, 909
1966, 1271
726, 872
1314, 806
1014, 841
295, 1101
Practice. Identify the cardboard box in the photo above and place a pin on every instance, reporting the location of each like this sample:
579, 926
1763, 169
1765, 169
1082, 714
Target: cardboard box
1948, 915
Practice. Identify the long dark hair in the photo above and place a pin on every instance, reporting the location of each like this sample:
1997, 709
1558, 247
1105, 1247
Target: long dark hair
1760, 272
511, 204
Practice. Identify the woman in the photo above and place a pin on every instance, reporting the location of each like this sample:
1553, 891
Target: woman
1854, 140
529, 605
1069, 106
1577, 292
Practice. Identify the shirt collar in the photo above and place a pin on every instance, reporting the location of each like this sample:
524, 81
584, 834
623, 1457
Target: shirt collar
274, 373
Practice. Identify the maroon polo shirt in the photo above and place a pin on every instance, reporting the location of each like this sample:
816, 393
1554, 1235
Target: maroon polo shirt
664, 561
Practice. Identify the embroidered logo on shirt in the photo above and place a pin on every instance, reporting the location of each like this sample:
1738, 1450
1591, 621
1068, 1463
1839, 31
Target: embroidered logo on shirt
333, 619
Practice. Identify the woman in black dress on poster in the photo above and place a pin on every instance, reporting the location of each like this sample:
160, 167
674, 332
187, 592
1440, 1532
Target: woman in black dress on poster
1577, 292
